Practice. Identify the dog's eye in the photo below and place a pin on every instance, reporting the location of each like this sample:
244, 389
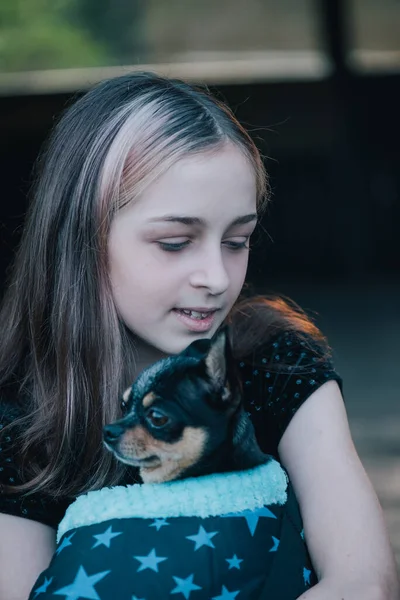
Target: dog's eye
125, 399
157, 419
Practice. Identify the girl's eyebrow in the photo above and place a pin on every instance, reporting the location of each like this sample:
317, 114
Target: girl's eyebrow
198, 221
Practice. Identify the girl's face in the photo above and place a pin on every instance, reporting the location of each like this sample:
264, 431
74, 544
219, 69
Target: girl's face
178, 254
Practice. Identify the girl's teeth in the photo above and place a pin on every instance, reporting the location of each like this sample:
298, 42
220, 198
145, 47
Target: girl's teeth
194, 314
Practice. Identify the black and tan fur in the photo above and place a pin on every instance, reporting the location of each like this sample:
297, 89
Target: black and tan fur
184, 417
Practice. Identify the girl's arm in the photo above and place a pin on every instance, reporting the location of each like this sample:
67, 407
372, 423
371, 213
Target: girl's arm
26, 548
343, 521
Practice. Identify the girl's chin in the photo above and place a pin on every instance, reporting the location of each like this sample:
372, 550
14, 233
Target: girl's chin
172, 340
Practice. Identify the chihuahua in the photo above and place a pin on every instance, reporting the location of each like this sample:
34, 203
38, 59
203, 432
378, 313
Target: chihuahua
183, 417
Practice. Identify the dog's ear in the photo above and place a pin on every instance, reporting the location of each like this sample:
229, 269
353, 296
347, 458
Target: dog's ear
220, 368
216, 358
213, 352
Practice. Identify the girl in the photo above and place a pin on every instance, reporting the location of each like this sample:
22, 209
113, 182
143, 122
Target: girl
135, 245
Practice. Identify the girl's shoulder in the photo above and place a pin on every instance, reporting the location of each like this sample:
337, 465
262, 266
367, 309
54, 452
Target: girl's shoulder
278, 376
36, 506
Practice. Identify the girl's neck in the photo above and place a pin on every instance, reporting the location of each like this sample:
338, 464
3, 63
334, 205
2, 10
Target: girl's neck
145, 355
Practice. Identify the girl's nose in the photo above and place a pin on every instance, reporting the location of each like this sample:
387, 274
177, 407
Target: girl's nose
211, 274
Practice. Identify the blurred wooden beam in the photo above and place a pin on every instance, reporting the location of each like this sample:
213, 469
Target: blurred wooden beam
335, 31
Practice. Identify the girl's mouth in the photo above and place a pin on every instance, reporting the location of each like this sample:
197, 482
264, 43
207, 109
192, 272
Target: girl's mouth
195, 320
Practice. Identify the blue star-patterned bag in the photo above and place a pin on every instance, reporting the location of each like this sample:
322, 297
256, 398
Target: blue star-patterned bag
220, 537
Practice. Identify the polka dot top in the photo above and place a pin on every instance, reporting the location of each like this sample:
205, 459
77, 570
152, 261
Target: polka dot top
277, 380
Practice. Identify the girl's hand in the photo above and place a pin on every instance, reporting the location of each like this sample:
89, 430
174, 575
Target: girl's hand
343, 521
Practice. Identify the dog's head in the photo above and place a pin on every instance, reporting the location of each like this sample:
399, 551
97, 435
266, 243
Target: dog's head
178, 411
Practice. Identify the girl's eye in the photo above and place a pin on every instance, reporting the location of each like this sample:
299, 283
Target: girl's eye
237, 245
156, 419
173, 247
176, 246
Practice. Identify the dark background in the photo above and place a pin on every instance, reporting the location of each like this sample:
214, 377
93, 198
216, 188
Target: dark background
334, 163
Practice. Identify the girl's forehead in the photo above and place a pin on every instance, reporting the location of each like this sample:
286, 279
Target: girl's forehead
224, 160
222, 181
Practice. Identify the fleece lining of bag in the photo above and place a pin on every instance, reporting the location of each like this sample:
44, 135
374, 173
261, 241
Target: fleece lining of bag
206, 496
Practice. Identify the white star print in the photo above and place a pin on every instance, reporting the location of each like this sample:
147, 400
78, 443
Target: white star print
158, 523
82, 586
234, 562
185, 586
43, 588
150, 561
276, 544
226, 594
105, 538
252, 517
306, 576
202, 538
65, 543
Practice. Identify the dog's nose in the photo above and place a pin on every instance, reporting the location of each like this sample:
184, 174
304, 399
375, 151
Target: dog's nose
112, 433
